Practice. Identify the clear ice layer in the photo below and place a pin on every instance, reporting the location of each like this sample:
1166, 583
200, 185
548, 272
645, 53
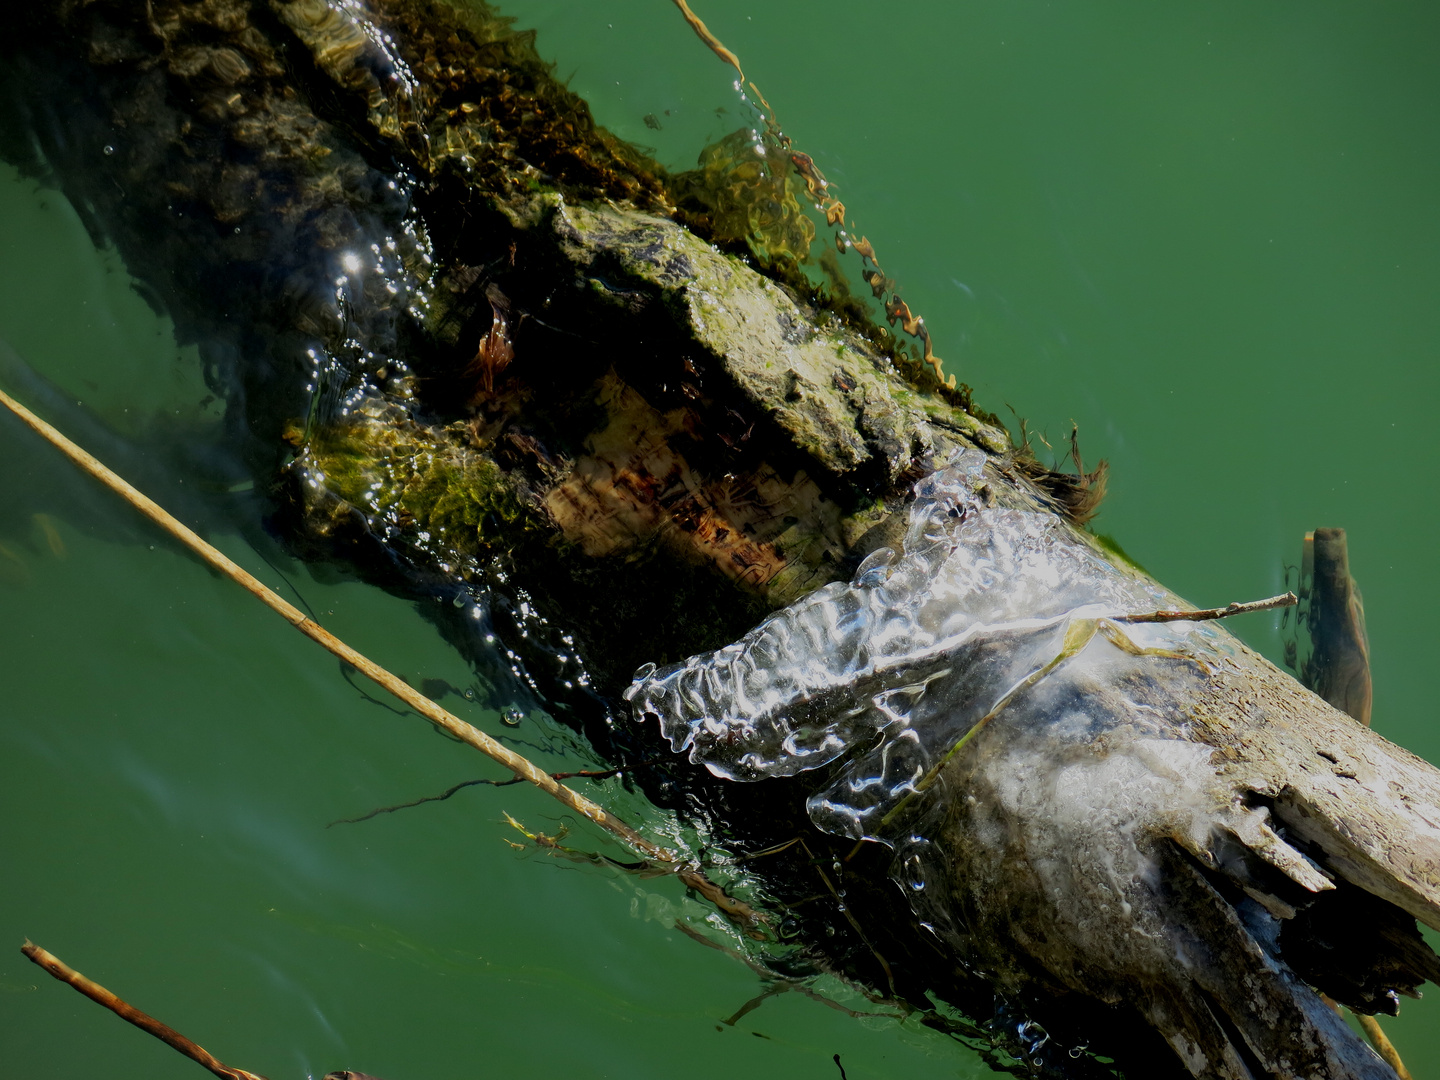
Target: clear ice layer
904, 653
1086, 757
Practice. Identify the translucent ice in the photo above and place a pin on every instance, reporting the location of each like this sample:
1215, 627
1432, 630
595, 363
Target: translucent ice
904, 658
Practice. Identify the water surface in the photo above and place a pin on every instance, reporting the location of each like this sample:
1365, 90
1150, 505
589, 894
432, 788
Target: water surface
1207, 234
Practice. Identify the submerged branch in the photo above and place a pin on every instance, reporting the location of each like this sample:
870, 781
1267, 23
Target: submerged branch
714, 43
1204, 614
588, 774
421, 801
145, 1022
777, 983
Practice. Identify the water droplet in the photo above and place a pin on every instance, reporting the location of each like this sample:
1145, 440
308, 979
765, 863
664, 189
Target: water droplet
512, 716
109, 149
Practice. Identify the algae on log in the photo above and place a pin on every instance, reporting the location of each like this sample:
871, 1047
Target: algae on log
482, 351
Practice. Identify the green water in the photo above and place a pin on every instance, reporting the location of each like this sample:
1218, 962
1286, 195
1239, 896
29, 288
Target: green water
1207, 233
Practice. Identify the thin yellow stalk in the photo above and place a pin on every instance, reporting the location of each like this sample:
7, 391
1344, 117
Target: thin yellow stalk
123, 1009
442, 719
710, 39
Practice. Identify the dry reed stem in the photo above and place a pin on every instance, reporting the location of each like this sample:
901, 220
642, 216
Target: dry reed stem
145, 1022
1383, 1046
447, 722
710, 39
1378, 1039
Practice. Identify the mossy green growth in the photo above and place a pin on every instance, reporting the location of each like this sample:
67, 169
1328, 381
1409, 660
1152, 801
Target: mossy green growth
428, 482
1111, 546
745, 191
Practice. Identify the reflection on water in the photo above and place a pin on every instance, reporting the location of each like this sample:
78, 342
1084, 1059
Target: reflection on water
1211, 244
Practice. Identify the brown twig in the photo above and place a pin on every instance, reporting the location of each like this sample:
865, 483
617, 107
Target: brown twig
750, 922
774, 850
1383, 1046
779, 982
589, 774
421, 801
710, 39
1378, 1039
146, 1023
737, 911
1172, 615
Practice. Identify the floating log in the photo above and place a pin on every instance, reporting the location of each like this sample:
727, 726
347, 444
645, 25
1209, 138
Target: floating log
488, 355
